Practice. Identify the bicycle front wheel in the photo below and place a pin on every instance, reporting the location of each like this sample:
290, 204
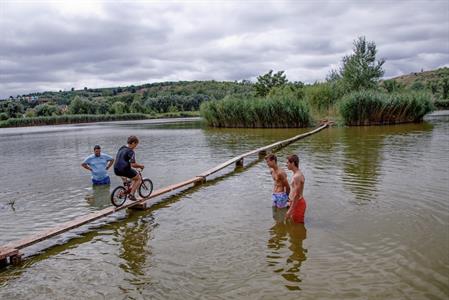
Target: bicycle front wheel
146, 188
118, 196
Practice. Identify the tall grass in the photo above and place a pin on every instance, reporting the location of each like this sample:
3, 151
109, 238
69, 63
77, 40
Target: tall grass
68, 119
276, 111
442, 103
321, 96
375, 108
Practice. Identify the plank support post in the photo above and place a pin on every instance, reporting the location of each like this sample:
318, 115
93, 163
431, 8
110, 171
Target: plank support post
3, 262
200, 181
262, 154
16, 259
239, 163
140, 206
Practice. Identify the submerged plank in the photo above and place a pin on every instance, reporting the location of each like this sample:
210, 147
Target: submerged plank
7, 250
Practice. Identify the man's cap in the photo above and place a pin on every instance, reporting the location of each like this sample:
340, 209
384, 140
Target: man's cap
97, 147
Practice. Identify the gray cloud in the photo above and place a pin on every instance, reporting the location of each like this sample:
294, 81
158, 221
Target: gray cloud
53, 46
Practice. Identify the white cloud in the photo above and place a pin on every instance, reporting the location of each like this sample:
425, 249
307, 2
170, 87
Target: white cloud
57, 45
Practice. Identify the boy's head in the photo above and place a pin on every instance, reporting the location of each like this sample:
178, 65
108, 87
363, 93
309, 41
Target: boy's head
292, 160
133, 141
271, 160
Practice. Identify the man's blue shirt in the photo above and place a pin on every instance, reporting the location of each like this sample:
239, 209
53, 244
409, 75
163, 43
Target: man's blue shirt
98, 165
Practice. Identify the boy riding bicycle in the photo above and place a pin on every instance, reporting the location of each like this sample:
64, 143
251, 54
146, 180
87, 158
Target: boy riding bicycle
126, 161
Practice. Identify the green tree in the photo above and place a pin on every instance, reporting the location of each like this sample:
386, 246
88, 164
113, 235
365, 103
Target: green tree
392, 86
118, 108
80, 106
30, 113
137, 106
417, 86
268, 81
43, 110
360, 70
432, 86
13, 109
172, 108
102, 107
444, 83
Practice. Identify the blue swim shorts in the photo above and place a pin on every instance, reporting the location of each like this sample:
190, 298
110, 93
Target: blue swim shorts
105, 180
280, 200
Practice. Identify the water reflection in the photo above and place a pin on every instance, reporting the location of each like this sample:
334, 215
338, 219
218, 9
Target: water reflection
362, 162
363, 156
233, 141
135, 250
99, 196
286, 235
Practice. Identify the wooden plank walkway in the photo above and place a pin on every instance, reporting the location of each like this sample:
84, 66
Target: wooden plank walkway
11, 250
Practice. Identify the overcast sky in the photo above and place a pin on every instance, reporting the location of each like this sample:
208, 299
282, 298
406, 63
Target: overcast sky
56, 45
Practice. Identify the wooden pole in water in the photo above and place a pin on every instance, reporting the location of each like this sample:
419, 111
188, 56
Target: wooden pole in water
262, 154
239, 163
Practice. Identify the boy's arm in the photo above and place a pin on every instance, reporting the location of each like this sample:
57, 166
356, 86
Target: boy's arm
295, 191
285, 183
136, 165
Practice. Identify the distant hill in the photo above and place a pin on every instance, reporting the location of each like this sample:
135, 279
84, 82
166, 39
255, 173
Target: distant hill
425, 77
210, 89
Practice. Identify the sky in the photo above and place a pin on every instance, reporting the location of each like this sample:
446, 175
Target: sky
57, 45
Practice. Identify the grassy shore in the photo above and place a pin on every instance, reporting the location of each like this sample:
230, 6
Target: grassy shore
290, 108
75, 119
378, 108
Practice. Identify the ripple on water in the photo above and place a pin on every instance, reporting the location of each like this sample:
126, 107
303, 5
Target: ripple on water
222, 240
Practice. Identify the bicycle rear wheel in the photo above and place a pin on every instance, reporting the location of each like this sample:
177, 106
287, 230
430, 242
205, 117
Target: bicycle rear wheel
146, 188
118, 196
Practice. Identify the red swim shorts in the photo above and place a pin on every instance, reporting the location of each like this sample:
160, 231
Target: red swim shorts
298, 210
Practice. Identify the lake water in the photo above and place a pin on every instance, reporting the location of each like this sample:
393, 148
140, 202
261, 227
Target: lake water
377, 222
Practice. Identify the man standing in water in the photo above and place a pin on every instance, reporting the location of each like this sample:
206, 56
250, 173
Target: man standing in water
98, 164
281, 188
298, 203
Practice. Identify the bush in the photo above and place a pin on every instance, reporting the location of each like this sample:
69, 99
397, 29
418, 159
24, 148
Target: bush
278, 110
118, 108
43, 110
80, 106
373, 107
442, 104
12, 109
320, 96
30, 113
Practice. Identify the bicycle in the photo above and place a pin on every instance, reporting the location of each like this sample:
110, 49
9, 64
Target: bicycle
121, 193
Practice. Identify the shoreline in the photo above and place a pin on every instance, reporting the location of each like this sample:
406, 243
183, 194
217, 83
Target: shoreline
53, 121
194, 115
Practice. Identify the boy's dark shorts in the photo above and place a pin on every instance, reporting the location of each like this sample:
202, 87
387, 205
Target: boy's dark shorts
126, 173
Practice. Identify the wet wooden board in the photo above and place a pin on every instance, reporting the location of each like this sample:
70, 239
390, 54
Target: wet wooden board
12, 248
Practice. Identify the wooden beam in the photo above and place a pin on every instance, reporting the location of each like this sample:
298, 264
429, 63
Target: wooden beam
12, 248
